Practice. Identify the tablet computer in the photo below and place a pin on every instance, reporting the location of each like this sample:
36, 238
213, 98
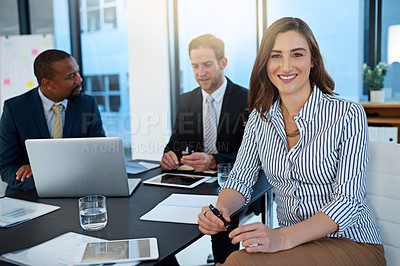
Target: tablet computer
177, 180
117, 251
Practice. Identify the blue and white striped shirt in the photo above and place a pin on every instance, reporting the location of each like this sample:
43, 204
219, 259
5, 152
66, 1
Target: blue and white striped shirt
323, 172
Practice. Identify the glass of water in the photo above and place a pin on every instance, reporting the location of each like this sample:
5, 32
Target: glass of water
223, 172
93, 212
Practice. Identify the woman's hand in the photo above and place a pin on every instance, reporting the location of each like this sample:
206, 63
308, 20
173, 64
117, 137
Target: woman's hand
257, 237
210, 224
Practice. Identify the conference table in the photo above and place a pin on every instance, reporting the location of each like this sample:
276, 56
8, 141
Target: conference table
123, 218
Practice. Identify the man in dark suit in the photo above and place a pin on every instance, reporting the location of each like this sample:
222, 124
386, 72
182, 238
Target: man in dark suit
32, 116
190, 141
230, 106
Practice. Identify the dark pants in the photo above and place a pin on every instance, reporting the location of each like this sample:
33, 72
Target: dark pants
221, 244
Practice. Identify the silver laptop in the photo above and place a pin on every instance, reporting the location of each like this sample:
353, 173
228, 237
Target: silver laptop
77, 167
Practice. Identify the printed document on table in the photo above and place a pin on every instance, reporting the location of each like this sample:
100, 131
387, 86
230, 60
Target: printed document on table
180, 208
133, 167
57, 251
16, 211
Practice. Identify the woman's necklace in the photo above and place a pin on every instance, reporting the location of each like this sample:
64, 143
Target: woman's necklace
292, 134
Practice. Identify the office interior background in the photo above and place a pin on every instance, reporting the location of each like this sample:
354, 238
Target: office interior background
134, 54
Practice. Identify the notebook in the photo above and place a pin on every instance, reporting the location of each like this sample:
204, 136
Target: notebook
75, 167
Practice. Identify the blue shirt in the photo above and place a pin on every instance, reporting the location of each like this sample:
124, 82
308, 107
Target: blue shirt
323, 172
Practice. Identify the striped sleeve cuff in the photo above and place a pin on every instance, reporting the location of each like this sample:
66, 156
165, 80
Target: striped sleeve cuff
342, 211
240, 187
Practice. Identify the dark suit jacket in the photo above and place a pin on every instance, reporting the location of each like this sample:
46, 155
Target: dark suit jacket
188, 128
23, 118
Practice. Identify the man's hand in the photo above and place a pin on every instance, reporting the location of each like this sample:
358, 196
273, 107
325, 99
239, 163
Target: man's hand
169, 161
200, 161
24, 172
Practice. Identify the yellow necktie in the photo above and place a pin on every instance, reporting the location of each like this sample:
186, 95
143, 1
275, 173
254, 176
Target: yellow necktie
57, 129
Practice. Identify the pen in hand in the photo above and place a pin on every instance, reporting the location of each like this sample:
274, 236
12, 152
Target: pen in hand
187, 151
219, 215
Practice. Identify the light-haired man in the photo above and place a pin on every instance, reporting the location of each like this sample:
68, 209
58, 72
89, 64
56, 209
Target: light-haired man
210, 119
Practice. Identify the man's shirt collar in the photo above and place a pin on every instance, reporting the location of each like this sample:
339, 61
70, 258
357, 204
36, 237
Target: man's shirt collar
47, 103
218, 95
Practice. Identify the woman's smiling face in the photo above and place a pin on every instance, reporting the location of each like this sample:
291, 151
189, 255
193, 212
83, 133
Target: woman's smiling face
289, 63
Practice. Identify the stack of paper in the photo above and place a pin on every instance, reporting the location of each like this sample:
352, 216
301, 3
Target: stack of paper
180, 208
15, 211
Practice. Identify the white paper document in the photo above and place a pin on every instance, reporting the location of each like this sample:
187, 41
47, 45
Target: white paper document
180, 208
16, 211
139, 167
57, 251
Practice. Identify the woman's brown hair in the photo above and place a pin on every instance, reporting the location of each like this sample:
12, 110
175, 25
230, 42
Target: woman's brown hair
262, 92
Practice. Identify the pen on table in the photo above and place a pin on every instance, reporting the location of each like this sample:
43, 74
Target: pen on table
219, 215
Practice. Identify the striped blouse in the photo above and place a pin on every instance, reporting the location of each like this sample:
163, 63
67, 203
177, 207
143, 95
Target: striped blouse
323, 172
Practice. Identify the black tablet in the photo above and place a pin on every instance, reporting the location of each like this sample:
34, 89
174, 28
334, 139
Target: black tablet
177, 180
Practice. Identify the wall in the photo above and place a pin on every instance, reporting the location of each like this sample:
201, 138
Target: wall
149, 78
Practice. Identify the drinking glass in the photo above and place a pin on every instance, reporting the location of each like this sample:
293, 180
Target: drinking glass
93, 212
223, 172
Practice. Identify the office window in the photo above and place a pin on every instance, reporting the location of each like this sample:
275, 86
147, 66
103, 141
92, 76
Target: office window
114, 103
233, 21
51, 17
113, 82
110, 18
97, 83
93, 20
390, 43
340, 38
9, 24
105, 67
105, 88
41, 16
98, 15
92, 3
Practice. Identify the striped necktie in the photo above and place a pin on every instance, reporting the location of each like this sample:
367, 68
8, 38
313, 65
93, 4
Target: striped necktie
210, 126
57, 129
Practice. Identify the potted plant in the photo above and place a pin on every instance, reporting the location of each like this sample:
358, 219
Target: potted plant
375, 80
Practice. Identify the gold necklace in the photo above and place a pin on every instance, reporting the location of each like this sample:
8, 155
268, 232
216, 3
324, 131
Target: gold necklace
292, 134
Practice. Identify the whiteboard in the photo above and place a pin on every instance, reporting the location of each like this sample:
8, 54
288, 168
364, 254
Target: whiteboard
17, 54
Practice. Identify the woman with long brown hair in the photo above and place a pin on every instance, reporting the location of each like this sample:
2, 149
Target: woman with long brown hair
313, 148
